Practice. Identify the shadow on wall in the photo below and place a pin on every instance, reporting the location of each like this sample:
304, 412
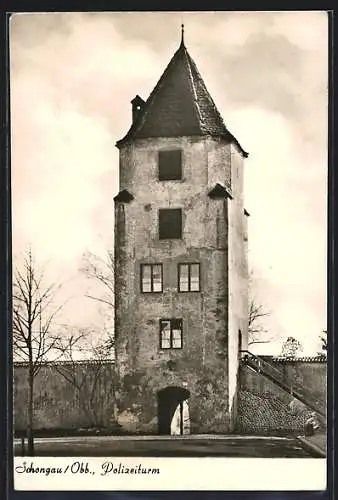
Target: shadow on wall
265, 408
173, 411
267, 414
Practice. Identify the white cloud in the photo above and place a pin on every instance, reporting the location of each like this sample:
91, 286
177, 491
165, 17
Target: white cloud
307, 29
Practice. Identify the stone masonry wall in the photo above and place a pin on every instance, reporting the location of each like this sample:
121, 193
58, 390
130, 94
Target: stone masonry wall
264, 408
58, 404
312, 372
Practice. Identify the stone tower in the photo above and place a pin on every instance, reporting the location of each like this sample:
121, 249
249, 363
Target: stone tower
180, 260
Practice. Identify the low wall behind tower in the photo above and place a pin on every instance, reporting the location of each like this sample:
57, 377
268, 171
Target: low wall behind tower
263, 408
66, 395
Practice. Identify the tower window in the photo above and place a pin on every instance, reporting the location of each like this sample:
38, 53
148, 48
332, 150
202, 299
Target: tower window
189, 277
170, 223
170, 165
171, 336
151, 278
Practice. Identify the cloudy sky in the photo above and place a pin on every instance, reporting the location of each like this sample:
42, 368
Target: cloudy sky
72, 78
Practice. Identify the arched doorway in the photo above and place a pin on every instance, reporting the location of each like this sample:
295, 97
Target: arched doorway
173, 411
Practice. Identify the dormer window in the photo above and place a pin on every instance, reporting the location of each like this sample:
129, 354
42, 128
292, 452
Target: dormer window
170, 165
137, 106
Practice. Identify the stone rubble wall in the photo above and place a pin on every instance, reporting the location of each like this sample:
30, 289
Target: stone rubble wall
264, 408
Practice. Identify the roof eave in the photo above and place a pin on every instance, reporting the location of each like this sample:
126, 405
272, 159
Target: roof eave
129, 138
235, 141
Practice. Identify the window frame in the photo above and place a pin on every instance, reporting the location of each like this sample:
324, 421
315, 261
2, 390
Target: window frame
171, 333
172, 209
163, 152
189, 264
151, 265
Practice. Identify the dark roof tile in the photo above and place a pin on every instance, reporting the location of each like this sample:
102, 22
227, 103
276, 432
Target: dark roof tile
219, 191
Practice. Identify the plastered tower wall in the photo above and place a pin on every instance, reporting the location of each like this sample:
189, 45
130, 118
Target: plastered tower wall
238, 278
201, 365
180, 115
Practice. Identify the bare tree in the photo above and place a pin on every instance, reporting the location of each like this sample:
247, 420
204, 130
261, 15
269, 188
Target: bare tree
257, 333
101, 270
256, 330
291, 348
92, 379
323, 339
33, 314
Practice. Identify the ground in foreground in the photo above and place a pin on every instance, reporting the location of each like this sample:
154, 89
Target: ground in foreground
155, 446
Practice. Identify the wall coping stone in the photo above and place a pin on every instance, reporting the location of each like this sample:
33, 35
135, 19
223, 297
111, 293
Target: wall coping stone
304, 359
79, 362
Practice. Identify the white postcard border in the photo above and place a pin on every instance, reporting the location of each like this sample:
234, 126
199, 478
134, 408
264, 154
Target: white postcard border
205, 473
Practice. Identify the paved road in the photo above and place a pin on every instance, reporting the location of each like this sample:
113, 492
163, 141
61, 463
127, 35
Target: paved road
227, 446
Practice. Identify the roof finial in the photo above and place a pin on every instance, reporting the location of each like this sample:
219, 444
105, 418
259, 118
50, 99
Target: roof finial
182, 34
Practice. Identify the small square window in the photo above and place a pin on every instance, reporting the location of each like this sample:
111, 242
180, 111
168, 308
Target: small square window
189, 277
170, 165
151, 278
171, 336
170, 223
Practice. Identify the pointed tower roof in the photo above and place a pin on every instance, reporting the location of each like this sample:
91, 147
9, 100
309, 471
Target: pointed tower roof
179, 105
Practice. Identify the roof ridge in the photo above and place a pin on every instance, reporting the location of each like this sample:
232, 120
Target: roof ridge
215, 109
192, 83
208, 95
